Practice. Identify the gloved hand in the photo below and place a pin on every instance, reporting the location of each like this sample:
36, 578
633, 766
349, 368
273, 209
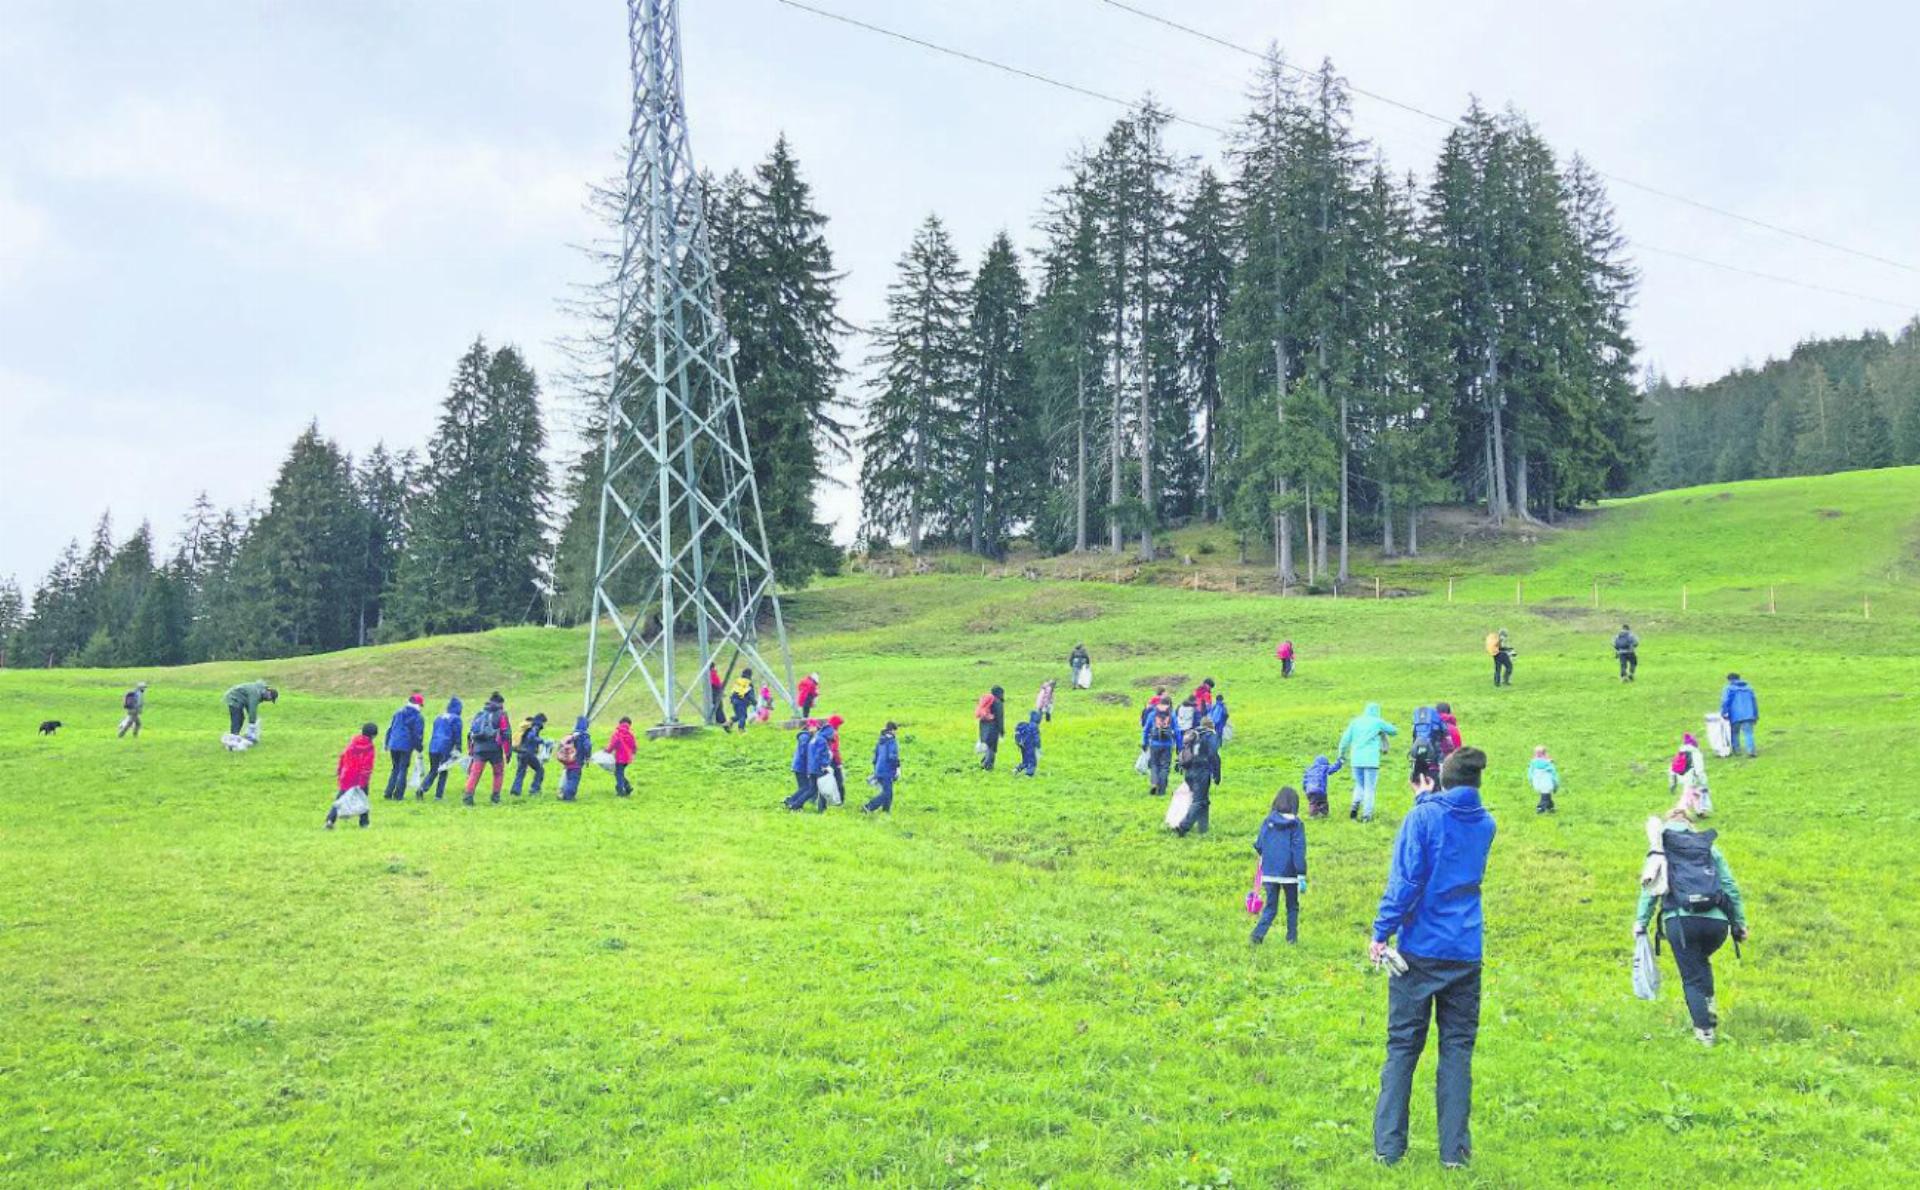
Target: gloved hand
1739, 933
1639, 931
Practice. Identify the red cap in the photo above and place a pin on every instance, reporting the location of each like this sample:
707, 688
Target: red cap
416, 700
835, 721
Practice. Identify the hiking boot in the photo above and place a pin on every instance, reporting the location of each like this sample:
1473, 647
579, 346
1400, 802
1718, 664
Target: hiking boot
467, 800
1704, 1037
1353, 813
328, 826
496, 799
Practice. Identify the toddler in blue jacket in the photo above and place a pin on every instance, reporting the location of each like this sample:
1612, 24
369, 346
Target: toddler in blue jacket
1314, 783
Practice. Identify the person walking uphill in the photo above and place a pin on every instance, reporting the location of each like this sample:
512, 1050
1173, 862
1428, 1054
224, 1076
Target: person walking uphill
1699, 910
487, 738
1626, 647
572, 755
132, 704
1740, 706
1159, 739
742, 698
1026, 734
1282, 870
406, 736
243, 707
1432, 906
1202, 771
1314, 783
886, 769
1080, 665
354, 773
624, 748
526, 755
992, 714
1501, 650
1360, 746
441, 746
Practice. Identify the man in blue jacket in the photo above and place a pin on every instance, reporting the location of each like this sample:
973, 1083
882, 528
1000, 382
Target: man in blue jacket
441, 746
1432, 903
1740, 707
886, 769
406, 735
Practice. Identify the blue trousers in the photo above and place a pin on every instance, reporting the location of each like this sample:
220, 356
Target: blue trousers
741, 705
569, 784
1365, 783
1029, 760
1274, 891
881, 802
809, 791
1744, 730
525, 762
1449, 992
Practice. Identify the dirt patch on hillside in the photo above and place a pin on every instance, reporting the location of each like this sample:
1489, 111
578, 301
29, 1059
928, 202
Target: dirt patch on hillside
1167, 680
1112, 699
1828, 514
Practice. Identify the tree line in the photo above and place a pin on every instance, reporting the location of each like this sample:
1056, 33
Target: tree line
1301, 344
1832, 405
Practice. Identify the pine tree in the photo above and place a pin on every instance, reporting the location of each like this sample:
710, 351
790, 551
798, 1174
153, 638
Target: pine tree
515, 490
1066, 344
996, 449
157, 634
13, 616
383, 482
923, 363
300, 565
1202, 285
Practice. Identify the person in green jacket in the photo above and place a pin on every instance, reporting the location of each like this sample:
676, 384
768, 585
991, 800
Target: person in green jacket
1694, 933
243, 705
1361, 744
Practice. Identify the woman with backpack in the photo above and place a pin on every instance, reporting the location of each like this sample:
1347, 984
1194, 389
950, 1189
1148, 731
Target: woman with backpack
487, 746
1699, 910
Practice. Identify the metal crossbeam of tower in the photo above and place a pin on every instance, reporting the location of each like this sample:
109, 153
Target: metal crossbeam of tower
682, 574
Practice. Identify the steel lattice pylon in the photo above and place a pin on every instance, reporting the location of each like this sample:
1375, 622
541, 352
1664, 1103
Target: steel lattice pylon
682, 544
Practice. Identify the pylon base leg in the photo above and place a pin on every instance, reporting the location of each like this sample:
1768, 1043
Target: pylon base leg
666, 731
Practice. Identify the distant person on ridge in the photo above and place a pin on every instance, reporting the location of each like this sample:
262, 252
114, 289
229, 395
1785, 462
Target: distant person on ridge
243, 707
406, 736
445, 741
1740, 706
1361, 745
1080, 666
1626, 647
1432, 906
886, 769
132, 704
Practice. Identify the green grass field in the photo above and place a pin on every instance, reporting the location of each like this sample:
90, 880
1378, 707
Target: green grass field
1006, 983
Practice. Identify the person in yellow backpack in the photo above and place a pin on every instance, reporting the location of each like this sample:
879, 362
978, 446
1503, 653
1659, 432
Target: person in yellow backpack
1501, 651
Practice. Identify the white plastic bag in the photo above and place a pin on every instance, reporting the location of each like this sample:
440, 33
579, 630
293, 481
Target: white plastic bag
235, 743
1140, 765
417, 774
1083, 678
351, 804
1646, 971
454, 762
980, 748
1178, 805
1720, 735
830, 789
1226, 734
603, 759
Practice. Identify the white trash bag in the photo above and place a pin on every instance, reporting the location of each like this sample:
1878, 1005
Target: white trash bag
1226, 734
454, 762
830, 789
1083, 678
416, 774
1178, 805
1720, 735
980, 748
603, 759
1646, 971
235, 743
1140, 765
351, 804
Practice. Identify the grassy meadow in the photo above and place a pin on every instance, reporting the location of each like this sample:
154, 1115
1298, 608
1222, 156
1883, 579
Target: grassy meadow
1007, 982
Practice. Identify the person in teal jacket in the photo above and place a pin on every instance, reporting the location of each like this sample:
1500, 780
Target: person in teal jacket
1360, 746
1695, 933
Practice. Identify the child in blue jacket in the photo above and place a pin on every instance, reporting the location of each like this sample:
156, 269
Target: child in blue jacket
573, 755
1282, 870
886, 769
1314, 782
441, 745
1027, 736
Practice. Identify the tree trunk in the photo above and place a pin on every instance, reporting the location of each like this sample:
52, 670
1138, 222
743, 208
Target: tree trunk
1413, 529
1306, 524
1283, 545
1147, 517
1080, 456
1520, 501
1320, 537
1279, 553
1345, 481
1115, 446
1386, 521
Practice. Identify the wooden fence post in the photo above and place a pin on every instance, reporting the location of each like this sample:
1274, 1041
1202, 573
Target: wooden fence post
1516, 592
1376, 586
1770, 603
1596, 594
1449, 588
1683, 597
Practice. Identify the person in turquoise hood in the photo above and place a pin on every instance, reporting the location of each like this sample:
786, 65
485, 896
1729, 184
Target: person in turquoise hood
1360, 746
1432, 905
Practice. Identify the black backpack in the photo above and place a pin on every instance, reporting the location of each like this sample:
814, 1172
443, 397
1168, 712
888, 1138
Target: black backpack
131, 701
1693, 880
486, 727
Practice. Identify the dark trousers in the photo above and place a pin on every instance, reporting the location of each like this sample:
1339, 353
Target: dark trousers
131, 723
436, 775
1317, 804
236, 719
741, 705
1159, 767
1274, 890
1201, 787
1503, 668
1029, 760
397, 779
525, 762
333, 816
808, 791
1693, 941
1629, 662
991, 739
1286, 667
1449, 992
714, 704
881, 802
569, 784
620, 786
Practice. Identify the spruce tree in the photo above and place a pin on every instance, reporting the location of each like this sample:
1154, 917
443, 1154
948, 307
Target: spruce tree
301, 563
996, 447
923, 364
384, 483
157, 634
1066, 344
1202, 285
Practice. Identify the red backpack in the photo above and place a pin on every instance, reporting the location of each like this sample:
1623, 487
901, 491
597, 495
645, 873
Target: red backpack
984, 709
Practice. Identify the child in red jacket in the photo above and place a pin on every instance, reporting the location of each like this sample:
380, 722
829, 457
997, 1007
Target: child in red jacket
623, 746
355, 773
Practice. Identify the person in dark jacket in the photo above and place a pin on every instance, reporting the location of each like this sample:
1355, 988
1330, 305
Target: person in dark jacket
808, 763
1694, 933
1740, 706
574, 753
1027, 736
1626, 648
526, 755
1282, 870
132, 705
1076, 661
1314, 782
487, 738
886, 769
441, 745
1202, 770
1160, 740
1432, 905
993, 727
741, 697
406, 735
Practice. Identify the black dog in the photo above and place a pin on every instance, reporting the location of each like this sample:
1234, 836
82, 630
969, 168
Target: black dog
49, 727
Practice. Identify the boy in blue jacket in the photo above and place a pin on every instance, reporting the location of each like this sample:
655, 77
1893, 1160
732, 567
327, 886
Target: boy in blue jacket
1282, 870
1432, 904
406, 733
1740, 706
573, 754
1314, 782
1159, 739
886, 769
447, 731
1027, 736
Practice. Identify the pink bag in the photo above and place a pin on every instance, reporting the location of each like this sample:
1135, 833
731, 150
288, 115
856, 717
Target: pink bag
1254, 903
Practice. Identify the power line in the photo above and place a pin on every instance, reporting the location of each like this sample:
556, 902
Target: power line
1075, 88
1775, 277
1656, 191
977, 60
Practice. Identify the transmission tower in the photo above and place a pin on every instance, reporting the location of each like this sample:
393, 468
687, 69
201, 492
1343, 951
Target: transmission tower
682, 548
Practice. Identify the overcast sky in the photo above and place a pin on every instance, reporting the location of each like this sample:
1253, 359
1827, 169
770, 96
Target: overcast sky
219, 220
